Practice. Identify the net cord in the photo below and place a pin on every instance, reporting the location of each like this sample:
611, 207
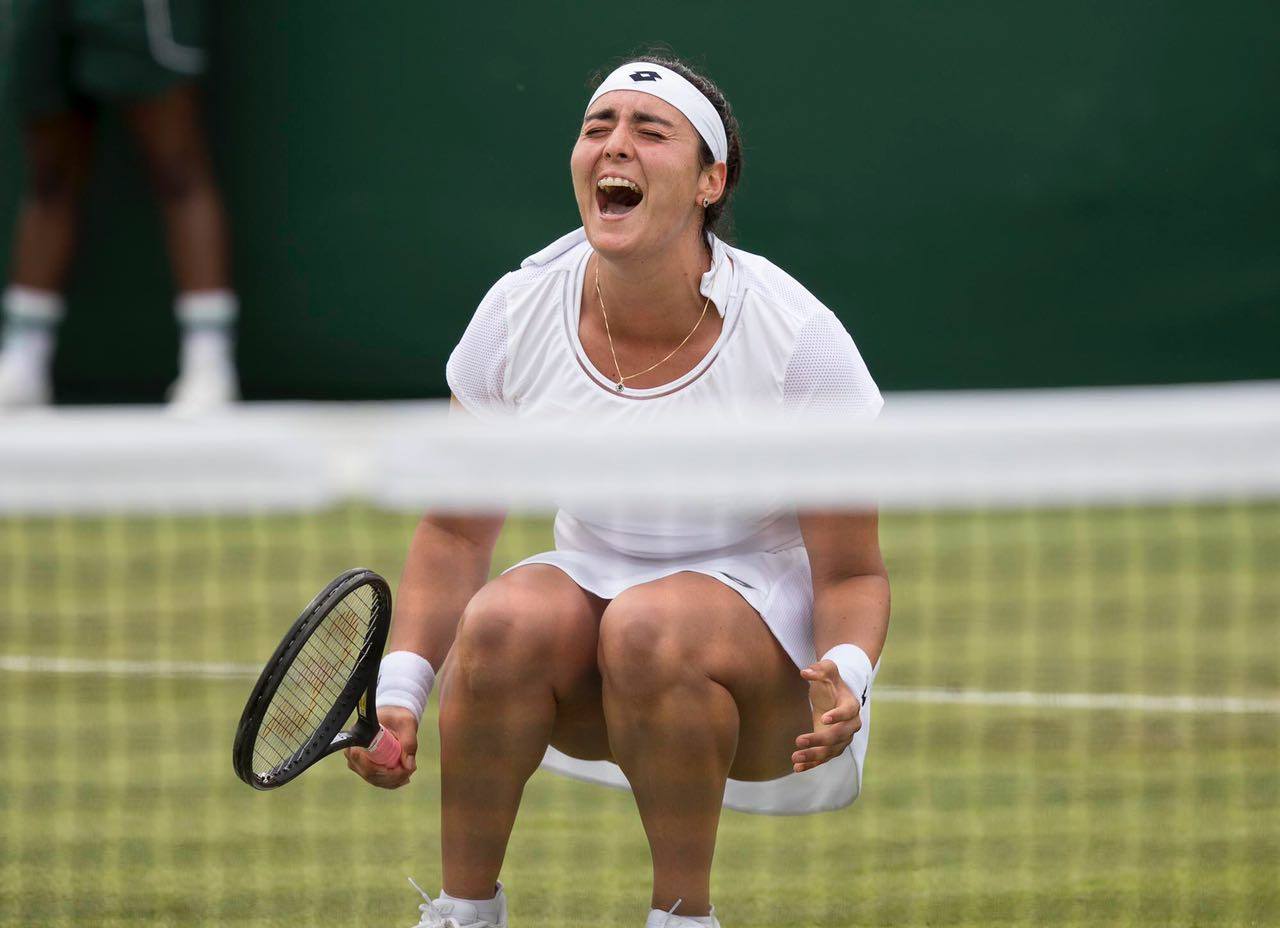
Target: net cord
1006, 448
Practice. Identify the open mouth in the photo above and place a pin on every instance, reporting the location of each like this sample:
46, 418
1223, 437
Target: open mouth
617, 196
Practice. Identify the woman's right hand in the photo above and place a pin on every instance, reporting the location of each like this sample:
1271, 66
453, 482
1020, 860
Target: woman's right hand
401, 723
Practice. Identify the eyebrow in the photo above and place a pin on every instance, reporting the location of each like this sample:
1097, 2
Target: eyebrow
640, 116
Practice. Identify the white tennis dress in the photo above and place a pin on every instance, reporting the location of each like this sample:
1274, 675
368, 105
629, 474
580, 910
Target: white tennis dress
521, 356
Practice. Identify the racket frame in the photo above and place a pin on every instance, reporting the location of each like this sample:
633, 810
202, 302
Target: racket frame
359, 695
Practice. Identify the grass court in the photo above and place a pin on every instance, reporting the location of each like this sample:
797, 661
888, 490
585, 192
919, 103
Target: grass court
118, 805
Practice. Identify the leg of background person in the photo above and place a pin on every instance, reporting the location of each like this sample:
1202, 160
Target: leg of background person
171, 135
522, 672
695, 688
59, 152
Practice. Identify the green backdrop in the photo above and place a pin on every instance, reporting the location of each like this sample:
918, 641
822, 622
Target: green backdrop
989, 194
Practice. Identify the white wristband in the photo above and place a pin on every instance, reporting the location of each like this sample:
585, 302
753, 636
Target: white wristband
405, 680
854, 667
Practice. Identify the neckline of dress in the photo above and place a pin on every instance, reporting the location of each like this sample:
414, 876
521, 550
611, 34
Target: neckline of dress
717, 283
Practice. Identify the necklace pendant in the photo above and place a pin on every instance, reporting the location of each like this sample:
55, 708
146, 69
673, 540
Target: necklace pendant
619, 387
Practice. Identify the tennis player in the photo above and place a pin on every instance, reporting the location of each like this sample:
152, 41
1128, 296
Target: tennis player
61, 61
699, 663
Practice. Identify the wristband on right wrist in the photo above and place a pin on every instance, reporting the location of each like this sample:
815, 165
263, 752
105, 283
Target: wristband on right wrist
405, 679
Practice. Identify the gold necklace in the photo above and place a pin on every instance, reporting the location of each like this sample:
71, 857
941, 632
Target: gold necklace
622, 381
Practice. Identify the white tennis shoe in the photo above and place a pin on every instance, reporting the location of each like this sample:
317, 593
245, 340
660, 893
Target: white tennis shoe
442, 913
669, 919
203, 389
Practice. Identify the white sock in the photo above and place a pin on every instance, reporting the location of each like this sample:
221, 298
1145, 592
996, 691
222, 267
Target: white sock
31, 320
659, 916
486, 909
207, 319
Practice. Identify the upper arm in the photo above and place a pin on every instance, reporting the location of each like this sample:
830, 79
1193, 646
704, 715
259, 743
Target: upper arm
477, 366
842, 545
479, 529
826, 373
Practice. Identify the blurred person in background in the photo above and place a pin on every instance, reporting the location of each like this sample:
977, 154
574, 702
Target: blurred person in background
63, 61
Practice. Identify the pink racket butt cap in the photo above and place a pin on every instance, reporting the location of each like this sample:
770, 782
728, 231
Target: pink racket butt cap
384, 750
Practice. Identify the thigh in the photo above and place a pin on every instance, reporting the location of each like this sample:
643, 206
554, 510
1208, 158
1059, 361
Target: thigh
59, 150
709, 625
170, 132
544, 624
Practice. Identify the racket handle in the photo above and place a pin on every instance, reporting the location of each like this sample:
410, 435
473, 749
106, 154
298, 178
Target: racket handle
384, 749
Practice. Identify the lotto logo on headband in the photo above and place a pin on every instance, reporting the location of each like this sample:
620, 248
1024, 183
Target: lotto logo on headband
665, 84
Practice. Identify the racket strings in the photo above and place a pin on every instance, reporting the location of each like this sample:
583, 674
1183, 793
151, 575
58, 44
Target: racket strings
312, 687
315, 681
333, 650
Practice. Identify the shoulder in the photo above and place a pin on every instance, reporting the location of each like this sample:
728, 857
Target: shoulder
824, 371
785, 314
515, 329
773, 287
519, 293
536, 281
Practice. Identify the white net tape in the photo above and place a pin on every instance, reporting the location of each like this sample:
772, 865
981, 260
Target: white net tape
937, 450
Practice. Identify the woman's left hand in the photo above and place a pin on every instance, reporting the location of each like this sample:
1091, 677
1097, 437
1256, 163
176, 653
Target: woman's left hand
836, 717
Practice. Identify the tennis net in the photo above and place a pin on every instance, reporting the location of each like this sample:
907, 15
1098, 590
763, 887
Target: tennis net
1077, 715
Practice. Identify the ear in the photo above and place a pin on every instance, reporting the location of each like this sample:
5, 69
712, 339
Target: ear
712, 181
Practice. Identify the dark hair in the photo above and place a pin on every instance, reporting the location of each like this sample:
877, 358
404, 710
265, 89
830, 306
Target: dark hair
718, 215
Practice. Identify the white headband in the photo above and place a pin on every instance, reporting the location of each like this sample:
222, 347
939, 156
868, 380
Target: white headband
665, 84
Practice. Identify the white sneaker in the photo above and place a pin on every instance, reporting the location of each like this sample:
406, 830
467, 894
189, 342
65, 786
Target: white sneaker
669, 919
441, 913
23, 383
203, 390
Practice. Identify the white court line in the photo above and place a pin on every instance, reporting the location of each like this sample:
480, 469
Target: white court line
24, 663
1130, 702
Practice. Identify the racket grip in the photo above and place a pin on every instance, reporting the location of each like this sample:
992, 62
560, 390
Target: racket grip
384, 749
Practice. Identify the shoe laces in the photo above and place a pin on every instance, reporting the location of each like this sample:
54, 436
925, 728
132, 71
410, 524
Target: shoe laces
679, 921
434, 914
438, 914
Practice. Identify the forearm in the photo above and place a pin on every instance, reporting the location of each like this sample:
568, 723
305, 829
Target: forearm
448, 562
852, 610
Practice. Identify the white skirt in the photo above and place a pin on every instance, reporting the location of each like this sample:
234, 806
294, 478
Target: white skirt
779, 587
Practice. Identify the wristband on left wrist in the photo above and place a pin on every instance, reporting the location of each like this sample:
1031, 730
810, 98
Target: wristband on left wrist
854, 667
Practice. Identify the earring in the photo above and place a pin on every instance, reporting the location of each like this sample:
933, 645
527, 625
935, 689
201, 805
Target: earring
705, 202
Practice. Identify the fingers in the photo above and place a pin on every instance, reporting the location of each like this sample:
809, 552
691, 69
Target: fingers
402, 724
818, 747
385, 777
845, 711
826, 669
825, 686
829, 736
836, 717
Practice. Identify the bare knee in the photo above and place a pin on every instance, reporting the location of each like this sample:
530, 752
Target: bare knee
55, 182
645, 643
519, 629
58, 156
179, 176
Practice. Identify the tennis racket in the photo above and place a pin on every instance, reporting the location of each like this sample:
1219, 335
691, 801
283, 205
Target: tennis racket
325, 669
